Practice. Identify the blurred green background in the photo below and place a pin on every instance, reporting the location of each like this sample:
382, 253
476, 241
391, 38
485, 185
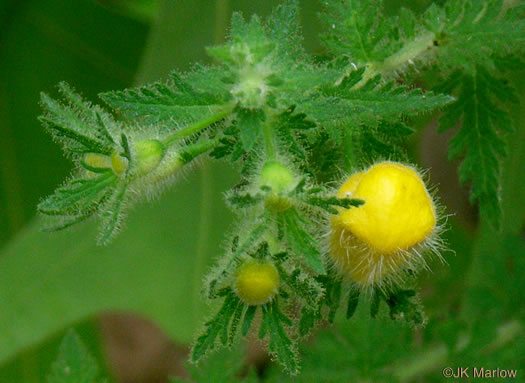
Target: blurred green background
153, 270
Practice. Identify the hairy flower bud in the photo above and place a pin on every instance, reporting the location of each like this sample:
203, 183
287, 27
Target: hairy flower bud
281, 181
148, 154
256, 283
373, 243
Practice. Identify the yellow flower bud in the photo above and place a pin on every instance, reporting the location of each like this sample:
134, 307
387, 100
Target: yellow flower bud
256, 283
115, 162
119, 164
373, 243
98, 161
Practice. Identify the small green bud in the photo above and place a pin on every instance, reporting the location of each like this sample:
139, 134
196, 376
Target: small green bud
281, 180
277, 177
148, 154
251, 90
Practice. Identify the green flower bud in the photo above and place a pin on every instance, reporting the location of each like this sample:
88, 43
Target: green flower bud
148, 154
281, 180
277, 177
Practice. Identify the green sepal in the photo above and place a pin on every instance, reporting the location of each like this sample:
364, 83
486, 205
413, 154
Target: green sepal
327, 203
248, 319
300, 241
64, 222
309, 318
353, 300
73, 141
77, 125
375, 302
79, 196
303, 285
112, 215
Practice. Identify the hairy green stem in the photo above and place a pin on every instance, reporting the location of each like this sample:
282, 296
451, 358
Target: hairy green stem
406, 55
191, 152
198, 126
269, 142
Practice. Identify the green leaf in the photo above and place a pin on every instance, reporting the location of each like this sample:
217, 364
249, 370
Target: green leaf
175, 100
471, 33
344, 109
217, 326
301, 242
248, 43
480, 139
249, 122
356, 350
283, 25
308, 319
385, 140
280, 343
303, 285
74, 363
464, 33
152, 257
81, 44
333, 296
357, 28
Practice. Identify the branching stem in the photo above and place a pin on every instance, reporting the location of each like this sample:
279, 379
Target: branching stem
198, 126
195, 150
406, 55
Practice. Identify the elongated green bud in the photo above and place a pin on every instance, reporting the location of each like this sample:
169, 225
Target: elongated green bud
117, 163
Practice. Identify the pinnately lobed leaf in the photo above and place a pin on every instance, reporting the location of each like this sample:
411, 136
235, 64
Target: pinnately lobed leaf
484, 121
465, 41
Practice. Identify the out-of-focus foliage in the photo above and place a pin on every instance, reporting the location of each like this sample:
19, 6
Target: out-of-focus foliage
74, 364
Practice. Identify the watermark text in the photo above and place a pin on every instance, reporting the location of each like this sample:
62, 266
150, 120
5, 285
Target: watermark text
479, 373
